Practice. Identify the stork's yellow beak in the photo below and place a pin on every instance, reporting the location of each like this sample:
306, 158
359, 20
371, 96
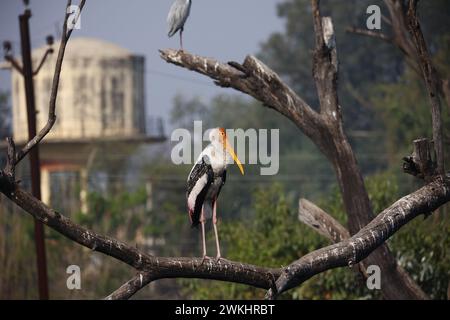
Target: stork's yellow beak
233, 155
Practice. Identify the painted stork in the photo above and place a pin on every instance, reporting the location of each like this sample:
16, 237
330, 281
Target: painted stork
206, 180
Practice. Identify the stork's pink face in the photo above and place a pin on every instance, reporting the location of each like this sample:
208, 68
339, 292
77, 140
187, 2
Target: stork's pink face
226, 145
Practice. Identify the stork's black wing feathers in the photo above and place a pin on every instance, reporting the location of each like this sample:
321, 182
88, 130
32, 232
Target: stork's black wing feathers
224, 179
200, 169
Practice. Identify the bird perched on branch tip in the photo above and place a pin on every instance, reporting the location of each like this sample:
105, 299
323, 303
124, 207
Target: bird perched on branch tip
178, 14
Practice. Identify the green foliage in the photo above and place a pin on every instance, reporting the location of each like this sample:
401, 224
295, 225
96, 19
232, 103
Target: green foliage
184, 113
406, 117
122, 216
111, 212
421, 248
17, 279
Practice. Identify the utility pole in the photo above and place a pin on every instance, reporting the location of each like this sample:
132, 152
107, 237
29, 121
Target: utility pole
34, 153
27, 72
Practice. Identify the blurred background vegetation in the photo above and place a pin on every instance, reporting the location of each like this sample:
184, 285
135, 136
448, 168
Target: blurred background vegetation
385, 108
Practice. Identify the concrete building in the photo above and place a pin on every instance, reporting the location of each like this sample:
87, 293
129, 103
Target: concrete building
101, 99
101, 93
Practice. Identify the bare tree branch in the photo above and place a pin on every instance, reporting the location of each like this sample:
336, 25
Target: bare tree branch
420, 163
10, 168
322, 222
370, 33
432, 82
131, 287
314, 217
351, 251
43, 59
254, 78
55, 85
162, 267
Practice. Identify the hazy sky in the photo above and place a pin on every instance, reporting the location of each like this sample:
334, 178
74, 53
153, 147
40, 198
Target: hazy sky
225, 29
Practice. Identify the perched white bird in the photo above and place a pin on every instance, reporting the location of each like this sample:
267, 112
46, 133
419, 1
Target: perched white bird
178, 14
206, 180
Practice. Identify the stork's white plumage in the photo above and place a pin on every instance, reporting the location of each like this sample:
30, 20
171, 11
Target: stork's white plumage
206, 180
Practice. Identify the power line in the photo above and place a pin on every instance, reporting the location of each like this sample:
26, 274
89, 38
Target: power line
181, 78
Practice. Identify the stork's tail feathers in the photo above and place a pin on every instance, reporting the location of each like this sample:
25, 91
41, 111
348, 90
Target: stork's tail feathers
171, 33
195, 221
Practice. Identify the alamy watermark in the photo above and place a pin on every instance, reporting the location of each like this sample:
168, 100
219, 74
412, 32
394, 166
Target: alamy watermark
74, 280
374, 20
374, 277
74, 18
260, 146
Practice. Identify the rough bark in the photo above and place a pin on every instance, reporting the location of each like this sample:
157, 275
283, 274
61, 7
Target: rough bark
129, 288
314, 217
359, 246
420, 163
322, 222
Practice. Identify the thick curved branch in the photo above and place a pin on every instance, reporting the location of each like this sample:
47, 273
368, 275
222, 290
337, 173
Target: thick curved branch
55, 85
60, 223
319, 220
159, 267
353, 250
254, 78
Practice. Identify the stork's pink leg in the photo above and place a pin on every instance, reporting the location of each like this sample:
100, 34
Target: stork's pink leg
181, 39
215, 230
202, 221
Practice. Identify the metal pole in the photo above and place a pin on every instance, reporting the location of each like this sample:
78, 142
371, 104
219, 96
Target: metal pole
34, 153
